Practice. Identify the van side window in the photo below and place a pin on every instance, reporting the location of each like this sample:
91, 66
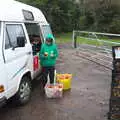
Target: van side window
7, 41
14, 31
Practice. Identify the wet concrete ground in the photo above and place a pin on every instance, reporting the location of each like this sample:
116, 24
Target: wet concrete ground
88, 98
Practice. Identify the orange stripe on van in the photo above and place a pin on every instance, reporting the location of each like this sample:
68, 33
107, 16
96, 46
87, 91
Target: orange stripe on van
2, 88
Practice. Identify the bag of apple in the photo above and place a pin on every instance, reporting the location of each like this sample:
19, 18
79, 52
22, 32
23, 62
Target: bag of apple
54, 90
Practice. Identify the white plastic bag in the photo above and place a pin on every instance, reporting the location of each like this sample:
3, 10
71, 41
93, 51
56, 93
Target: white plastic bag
54, 90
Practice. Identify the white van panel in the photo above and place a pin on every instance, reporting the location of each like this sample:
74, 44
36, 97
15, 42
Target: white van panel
3, 78
17, 61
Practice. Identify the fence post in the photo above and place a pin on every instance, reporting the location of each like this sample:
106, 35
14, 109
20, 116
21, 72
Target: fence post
74, 40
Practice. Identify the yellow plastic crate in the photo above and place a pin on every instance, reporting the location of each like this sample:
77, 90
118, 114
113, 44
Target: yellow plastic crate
65, 79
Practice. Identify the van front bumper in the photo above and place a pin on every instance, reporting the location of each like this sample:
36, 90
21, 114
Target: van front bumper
2, 101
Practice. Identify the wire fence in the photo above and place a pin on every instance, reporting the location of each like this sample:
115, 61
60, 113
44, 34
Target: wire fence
101, 41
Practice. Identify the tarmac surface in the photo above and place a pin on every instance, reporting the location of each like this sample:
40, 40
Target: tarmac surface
88, 98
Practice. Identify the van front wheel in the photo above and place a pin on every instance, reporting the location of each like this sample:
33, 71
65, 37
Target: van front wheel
24, 93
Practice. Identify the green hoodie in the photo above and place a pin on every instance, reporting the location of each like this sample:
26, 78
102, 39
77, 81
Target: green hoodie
49, 49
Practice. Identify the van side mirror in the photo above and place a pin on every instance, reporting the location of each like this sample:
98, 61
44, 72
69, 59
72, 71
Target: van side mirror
20, 41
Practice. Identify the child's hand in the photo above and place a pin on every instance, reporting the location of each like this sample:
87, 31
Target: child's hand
52, 55
45, 54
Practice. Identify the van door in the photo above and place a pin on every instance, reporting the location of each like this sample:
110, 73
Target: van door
35, 37
17, 59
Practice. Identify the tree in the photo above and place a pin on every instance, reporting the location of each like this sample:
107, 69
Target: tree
59, 13
66, 15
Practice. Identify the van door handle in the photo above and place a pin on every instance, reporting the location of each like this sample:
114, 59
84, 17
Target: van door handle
29, 53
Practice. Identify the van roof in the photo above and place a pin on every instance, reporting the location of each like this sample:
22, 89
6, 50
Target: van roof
11, 10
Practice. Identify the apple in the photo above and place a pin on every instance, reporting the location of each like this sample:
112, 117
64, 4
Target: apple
62, 77
45, 54
60, 86
67, 77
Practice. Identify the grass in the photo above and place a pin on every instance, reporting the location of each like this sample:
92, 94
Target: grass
67, 38
87, 41
63, 38
98, 43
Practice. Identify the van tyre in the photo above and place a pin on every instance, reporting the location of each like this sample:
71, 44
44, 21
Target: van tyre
24, 93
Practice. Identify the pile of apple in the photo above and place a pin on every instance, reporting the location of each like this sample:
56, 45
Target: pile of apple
54, 86
64, 76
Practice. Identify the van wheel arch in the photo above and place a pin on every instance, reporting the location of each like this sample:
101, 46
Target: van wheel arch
23, 94
28, 74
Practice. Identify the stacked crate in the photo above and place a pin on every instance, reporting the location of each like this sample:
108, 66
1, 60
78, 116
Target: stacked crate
114, 112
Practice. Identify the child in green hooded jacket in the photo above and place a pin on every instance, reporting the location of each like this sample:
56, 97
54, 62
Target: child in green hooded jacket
48, 56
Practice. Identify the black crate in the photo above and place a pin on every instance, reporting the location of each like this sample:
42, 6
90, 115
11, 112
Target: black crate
115, 80
116, 66
116, 60
115, 75
115, 83
114, 106
114, 116
115, 93
114, 109
114, 99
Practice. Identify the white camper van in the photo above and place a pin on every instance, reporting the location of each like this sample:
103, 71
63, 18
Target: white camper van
23, 29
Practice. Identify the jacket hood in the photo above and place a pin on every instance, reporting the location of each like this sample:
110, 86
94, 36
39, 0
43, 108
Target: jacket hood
49, 36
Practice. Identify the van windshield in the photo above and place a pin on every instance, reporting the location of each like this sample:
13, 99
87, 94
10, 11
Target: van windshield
46, 30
